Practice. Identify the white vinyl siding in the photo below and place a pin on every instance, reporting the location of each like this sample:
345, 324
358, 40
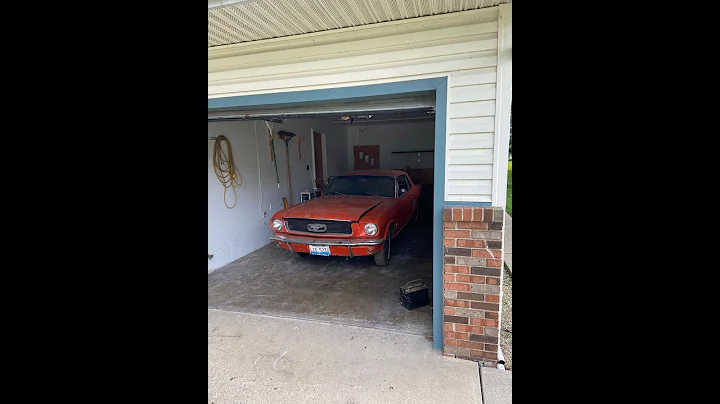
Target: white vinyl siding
460, 46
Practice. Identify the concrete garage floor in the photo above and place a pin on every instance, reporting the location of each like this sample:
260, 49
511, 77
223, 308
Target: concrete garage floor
259, 359
270, 281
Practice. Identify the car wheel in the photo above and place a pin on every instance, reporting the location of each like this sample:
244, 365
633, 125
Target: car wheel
382, 257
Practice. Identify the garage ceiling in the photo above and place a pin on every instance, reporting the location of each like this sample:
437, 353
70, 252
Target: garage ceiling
236, 21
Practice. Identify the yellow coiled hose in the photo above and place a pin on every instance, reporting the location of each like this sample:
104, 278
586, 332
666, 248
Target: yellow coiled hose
225, 169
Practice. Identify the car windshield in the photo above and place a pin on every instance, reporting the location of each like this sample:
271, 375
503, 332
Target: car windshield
372, 185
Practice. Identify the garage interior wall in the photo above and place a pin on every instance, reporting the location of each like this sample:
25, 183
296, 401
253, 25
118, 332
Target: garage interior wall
395, 137
233, 233
335, 149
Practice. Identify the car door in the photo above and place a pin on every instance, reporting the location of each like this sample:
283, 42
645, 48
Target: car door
406, 199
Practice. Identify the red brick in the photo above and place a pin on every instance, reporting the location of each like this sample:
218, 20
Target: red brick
458, 269
467, 214
484, 322
457, 233
448, 310
478, 214
477, 297
456, 319
497, 253
491, 280
491, 314
449, 342
487, 215
470, 279
457, 286
457, 303
447, 214
484, 271
457, 335
473, 225
449, 277
491, 347
483, 305
492, 298
469, 328
449, 327
483, 338
450, 225
470, 344
449, 242
481, 252
493, 263
471, 243
457, 214
482, 354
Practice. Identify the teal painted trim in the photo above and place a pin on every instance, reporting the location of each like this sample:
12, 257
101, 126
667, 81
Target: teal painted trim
438, 85
326, 94
468, 203
439, 185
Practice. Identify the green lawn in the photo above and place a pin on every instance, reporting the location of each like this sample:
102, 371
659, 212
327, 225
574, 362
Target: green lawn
508, 206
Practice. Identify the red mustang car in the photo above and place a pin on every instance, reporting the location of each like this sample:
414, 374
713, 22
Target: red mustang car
359, 214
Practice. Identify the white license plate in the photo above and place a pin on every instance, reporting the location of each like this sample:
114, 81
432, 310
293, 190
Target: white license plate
320, 250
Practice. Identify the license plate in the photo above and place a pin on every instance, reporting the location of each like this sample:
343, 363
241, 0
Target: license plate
320, 250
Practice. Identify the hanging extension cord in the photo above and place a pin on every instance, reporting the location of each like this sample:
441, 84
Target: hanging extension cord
225, 169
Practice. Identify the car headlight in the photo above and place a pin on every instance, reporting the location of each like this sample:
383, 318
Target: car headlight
371, 229
277, 224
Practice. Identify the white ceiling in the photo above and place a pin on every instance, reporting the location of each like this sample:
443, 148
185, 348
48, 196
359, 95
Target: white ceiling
235, 21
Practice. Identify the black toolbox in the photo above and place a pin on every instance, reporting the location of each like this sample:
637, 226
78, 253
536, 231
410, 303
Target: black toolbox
414, 294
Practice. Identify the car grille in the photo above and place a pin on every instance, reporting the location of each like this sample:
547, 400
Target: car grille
332, 226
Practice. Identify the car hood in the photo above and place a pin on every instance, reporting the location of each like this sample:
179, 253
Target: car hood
334, 207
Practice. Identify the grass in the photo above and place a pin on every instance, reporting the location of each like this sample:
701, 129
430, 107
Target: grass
508, 205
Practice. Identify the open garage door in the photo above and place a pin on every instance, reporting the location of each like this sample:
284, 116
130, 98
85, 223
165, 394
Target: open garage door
420, 103
256, 276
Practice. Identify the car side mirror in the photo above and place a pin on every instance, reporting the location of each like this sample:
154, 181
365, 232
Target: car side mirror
403, 192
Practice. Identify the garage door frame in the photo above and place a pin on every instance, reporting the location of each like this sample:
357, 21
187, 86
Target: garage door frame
439, 85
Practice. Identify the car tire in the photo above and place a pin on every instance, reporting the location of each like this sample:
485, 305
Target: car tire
382, 257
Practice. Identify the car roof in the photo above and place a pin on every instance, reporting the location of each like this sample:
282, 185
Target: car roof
387, 173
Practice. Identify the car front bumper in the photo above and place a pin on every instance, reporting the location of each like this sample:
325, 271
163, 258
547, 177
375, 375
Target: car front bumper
338, 246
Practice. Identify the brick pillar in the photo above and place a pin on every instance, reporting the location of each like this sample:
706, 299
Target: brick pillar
471, 282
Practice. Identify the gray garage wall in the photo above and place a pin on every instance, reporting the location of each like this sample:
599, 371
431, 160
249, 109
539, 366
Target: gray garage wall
336, 143
236, 232
404, 136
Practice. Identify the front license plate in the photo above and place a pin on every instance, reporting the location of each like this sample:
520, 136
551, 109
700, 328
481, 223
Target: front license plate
320, 250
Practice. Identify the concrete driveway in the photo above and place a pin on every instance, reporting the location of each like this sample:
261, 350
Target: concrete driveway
259, 359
